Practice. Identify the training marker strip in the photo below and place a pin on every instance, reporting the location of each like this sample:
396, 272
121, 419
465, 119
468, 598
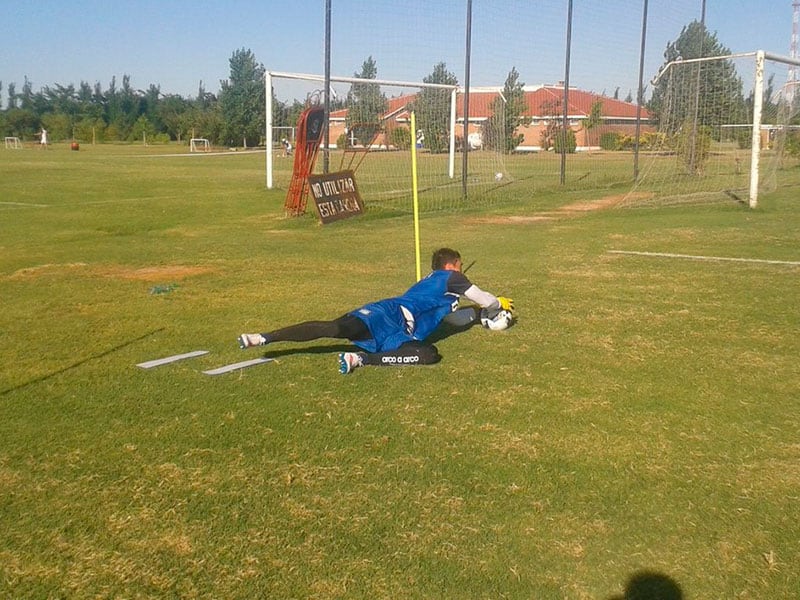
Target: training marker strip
170, 359
237, 366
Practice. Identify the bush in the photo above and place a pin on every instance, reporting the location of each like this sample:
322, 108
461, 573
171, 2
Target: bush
400, 138
692, 144
341, 141
651, 140
610, 141
560, 144
744, 139
793, 144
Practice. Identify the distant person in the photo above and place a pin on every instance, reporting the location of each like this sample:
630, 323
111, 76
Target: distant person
43, 136
392, 331
287, 147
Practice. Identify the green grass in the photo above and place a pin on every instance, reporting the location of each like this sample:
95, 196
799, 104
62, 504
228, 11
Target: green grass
642, 415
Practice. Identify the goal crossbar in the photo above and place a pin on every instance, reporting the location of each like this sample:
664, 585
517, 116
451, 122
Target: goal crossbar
767, 56
270, 75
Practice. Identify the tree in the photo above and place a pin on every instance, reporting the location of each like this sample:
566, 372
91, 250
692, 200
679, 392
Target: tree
508, 114
242, 100
26, 97
365, 104
12, 96
717, 79
141, 130
20, 122
89, 113
691, 102
551, 110
171, 110
432, 108
149, 106
594, 120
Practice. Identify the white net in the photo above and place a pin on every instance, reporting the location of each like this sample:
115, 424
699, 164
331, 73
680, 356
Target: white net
370, 134
703, 150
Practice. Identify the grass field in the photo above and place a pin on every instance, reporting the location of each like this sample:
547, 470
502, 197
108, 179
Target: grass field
637, 427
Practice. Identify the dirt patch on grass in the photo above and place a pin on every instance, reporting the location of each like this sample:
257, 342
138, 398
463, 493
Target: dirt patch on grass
48, 269
600, 204
153, 274
570, 210
148, 274
513, 219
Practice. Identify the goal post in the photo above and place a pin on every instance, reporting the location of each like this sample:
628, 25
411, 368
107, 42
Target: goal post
12, 143
199, 145
722, 124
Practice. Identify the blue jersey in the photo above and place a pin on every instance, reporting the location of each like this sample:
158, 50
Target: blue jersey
414, 315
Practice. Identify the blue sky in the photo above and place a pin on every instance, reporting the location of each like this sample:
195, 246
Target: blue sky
176, 44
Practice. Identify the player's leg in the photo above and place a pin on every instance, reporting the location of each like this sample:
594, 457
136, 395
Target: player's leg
345, 327
411, 353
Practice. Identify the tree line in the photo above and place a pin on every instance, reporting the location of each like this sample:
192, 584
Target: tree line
120, 112
235, 116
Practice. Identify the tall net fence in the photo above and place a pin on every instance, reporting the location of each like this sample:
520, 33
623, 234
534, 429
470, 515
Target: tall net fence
522, 135
377, 144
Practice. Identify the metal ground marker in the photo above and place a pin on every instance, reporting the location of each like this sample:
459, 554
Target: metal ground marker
170, 359
239, 365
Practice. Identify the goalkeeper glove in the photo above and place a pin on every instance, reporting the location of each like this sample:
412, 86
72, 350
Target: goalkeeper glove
506, 303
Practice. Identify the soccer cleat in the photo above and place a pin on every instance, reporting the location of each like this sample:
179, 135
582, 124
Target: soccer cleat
349, 361
247, 340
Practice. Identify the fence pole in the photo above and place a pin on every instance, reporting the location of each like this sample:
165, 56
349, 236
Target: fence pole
565, 123
464, 142
640, 94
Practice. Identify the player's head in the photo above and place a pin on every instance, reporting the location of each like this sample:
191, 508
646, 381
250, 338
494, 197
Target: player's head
446, 257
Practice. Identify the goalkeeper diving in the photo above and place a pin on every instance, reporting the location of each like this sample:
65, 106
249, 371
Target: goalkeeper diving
393, 331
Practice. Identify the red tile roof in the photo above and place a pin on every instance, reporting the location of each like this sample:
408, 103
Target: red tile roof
543, 101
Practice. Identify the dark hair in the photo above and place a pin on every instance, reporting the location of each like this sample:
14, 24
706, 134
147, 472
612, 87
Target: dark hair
444, 256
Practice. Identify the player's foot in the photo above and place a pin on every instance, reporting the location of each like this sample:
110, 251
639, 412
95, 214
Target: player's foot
248, 340
349, 361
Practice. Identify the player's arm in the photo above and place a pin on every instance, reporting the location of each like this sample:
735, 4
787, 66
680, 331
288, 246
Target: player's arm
482, 298
459, 284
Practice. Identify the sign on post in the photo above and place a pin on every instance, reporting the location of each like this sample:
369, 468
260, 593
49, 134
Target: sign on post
336, 195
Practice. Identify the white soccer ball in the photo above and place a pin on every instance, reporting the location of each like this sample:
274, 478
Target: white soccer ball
498, 176
497, 319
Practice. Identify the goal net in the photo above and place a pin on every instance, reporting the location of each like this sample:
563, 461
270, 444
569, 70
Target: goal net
723, 125
13, 143
199, 145
369, 132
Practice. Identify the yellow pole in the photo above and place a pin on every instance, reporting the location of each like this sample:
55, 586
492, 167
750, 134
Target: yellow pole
414, 191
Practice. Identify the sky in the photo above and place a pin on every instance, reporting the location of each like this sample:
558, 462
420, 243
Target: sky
177, 44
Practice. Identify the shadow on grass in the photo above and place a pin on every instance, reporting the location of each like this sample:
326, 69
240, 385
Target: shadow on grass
650, 585
77, 364
443, 332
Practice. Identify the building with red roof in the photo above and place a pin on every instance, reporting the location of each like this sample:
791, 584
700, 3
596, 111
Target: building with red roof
545, 104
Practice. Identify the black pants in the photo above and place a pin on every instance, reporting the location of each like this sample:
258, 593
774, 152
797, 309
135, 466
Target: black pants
350, 327
347, 327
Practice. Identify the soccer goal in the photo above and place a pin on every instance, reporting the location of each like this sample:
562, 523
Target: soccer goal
13, 143
369, 132
199, 145
723, 123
